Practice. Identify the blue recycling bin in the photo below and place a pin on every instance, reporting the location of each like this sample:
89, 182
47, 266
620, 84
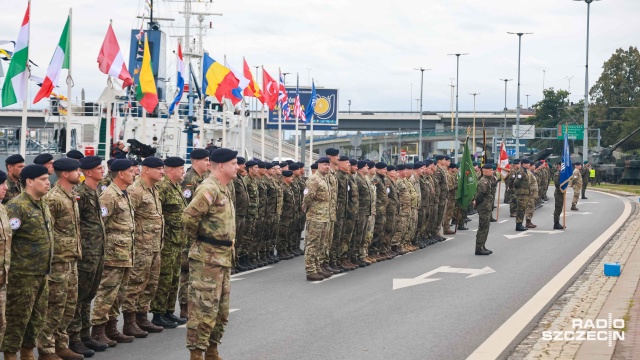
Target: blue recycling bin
612, 269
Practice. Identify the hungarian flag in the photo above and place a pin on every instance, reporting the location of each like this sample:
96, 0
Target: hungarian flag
15, 81
59, 61
270, 93
146, 92
111, 61
503, 162
252, 90
467, 184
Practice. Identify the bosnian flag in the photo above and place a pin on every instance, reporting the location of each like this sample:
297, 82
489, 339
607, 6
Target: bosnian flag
283, 98
59, 61
297, 109
503, 163
180, 84
15, 81
235, 95
111, 61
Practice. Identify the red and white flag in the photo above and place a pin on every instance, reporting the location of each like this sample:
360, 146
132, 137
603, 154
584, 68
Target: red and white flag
111, 61
503, 163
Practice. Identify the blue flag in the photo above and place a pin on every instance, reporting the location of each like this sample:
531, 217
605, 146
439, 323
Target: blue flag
180, 84
312, 103
566, 169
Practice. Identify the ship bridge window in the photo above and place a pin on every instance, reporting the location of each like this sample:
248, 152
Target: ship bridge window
88, 133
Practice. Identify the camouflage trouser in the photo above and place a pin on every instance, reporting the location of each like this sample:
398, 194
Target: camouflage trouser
422, 222
3, 303
441, 205
513, 204
110, 293
210, 286
448, 214
184, 274
390, 226
414, 228
522, 202
584, 187
348, 232
507, 196
268, 233
531, 206
89, 274
316, 236
357, 240
484, 217
559, 204
167, 291
432, 214
576, 196
368, 234
250, 241
378, 233
27, 298
294, 235
241, 228
326, 244
143, 281
336, 240
63, 296
283, 239
402, 225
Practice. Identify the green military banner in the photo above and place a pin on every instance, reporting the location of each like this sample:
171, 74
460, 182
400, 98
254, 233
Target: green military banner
467, 183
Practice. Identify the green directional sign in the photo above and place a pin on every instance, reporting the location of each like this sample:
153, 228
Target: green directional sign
575, 132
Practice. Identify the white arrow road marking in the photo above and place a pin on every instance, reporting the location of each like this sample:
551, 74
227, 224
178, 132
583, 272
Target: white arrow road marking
579, 213
424, 278
327, 279
529, 232
502, 221
236, 276
451, 238
236, 279
233, 310
588, 202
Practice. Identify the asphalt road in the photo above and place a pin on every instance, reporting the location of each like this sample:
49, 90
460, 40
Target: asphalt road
358, 315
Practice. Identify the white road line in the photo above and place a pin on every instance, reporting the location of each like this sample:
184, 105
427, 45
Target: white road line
249, 272
499, 341
502, 221
327, 279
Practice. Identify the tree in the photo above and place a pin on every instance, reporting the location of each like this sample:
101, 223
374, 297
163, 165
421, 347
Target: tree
553, 110
615, 98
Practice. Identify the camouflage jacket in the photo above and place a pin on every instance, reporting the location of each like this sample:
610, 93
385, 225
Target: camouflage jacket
211, 215
65, 215
104, 183
535, 180
441, 180
485, 195
14, 189
393, 204
147, 210
92, 233
342, 194
521, 182
241, 198
332, 180
262, 194
452, 184
173, 205
404, 197
585, 172
436, 188
381, 193
253, 194
414, 191
277, 183
364, 197
425, 191
374, 197
317, 198
232, 190
32, 241
289, 201
5, 245
576, 179
119, 225
352, 198
191, 182
508, 181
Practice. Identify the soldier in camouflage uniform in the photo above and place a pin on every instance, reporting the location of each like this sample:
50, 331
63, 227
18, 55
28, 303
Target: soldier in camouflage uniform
558, 196
195, 175
210, 224
119, 224
289, 207
522, 190
576, 184
253, 214
5, 253
533, 196
376, 247
31, 253
173, 205
451, 208
432, 224
423, 211
403, 220
357, 250
342, 195
392, 210
302, 219
348, 229
92, 237
108, 179
63, 278
14, 164
441, 180
485, 196
508, 181
274, 210
299, 216
333, 155
241, 203
415, 181
372, 219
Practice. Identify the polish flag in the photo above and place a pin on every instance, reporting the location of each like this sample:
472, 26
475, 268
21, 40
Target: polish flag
503, 163
111, 61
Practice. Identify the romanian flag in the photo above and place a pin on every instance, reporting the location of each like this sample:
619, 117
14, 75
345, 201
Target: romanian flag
146, 92
217, 80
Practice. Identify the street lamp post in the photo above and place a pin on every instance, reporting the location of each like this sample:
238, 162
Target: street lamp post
474, 120
569, 79
505, 101
518, 103
456, 140
527, 101
421, 69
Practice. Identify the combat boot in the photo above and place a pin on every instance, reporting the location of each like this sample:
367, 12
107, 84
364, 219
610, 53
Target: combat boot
196, 354
92, 344
492, 219
449, 232
144, 324
363, 260
170, 316
481, 251
131, 328
325, 273
462, 227
240, 268
26, 353
485, 249
98, 336
315, 277
519, 227
111, 330
184, 311
43, 357
79, 347
531, 225
512, 215
10, 356
67, 354
557, 226
574, 208
212, 352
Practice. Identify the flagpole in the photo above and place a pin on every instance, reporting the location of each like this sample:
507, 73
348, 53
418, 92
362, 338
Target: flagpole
143, 133
279, 120
311, 142
262, 120
564, 208
107, 117
243, 126
69, 84
296, 116
498, 207
23, 130
224, 122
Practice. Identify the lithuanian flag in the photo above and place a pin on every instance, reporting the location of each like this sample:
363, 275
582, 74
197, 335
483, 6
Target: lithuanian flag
146, 92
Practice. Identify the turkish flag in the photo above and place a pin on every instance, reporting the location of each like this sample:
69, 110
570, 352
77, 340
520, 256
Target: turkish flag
270, 92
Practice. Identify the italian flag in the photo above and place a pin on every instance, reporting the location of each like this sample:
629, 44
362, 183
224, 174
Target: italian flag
59, 61
15, 81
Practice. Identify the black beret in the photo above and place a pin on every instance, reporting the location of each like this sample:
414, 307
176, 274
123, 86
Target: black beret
284, 164
134, 163
323, 160
487, 166
153, 162
332, 152
525, 161
75, 154
222, 155
43, 159
120, 165
371, 164
401, 167
381, 165
198, 154
439, 157
418, 165
516, 161
290, 162
110, 161
453, 166
33, 171
314, 166
174, 161
66, 164
361, 164
3, 177
251, 163
241, 160
261, 165
343, 158
268, 166
90, 162
14, 159
428, 162
475, 163
391, 168
353, 162
447, 157
300, 164
294, 167
275, 163
287, 173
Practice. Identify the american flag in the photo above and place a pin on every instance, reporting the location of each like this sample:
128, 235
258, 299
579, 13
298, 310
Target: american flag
297, 109
283, 98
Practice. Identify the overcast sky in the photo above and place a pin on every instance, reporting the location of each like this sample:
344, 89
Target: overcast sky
367, 49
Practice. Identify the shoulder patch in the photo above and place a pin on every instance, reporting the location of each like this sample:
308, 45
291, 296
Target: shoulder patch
306, 191
209, 197
348, 187
519, 176
187, 193
388, 190
103, 211
15, 223
103, 188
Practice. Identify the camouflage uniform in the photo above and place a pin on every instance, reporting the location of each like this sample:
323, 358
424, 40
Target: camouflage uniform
585, 172
576, 184
349, 227
381, 212
391, 213
441, 180
27, 288
485, 195
411, 216
173, 205
253, 215
119, 227
452, 184
209, 223
423, 211
404, 212
365, 205
263, 220
92, 237
342, 195
14, 188
5, 261
317, 201
416, 207
63, 278
533, 196
332, 180
271, 215
289, 207
149, 230
302, 216
522, 190
372, 219
104, 183
513, 199
241, 203
432, 224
